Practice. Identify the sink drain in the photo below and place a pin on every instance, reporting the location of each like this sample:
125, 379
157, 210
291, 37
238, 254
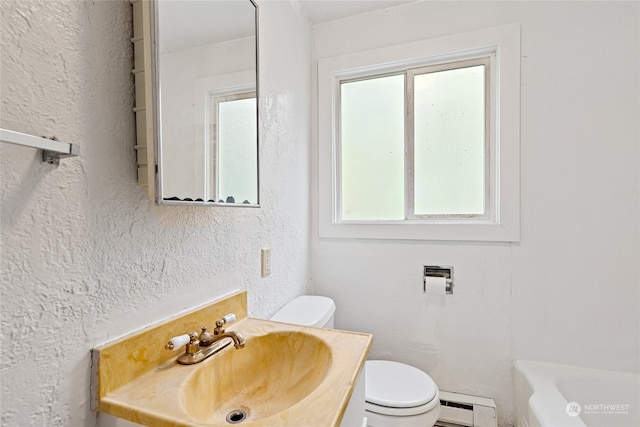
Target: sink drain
237, 416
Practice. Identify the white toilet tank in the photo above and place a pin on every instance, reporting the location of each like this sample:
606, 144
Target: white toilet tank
308, 310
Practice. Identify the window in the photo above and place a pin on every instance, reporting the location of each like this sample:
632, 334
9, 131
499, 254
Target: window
225, 118
423, 135
421, 141
234, 141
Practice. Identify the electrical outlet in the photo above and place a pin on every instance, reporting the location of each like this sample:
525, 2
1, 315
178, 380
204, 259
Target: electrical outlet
266, 262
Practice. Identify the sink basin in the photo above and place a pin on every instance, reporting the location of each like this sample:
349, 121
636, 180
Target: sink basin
271, 374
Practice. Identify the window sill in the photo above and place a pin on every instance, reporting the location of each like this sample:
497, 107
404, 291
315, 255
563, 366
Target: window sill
483, 231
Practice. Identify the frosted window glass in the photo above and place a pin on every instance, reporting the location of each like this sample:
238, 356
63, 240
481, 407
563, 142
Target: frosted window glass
237, 154
449, 142
372, 149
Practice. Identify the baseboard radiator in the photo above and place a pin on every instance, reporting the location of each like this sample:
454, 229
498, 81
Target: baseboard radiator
461, 410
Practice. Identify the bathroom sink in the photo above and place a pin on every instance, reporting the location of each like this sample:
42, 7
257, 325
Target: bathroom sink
272, 373
286, 375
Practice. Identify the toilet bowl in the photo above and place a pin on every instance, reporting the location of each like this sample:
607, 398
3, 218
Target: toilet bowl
396, 394
399, 395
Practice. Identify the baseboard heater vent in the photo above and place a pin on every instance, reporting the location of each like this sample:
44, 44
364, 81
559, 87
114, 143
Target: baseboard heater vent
461, 410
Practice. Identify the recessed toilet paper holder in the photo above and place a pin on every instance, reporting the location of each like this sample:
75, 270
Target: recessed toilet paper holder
439, 271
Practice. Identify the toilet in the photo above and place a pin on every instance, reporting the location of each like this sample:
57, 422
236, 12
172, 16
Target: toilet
396, 394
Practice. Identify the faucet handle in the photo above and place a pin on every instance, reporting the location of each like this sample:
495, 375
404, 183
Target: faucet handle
177, 342
190, 341
229, 318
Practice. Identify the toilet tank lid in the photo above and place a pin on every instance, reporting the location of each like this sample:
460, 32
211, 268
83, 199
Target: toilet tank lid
307, 310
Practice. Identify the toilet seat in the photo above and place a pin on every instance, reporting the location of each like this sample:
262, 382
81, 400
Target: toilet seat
397, 389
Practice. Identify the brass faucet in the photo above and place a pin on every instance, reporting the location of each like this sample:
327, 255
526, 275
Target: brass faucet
200, 348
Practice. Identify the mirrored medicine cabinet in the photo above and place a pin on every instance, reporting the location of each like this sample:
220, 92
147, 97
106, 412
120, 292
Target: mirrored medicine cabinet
196, 84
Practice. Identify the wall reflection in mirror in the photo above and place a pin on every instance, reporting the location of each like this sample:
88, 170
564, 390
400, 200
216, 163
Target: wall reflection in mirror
207, 111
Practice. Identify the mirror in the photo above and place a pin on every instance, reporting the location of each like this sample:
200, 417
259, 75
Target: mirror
206, 115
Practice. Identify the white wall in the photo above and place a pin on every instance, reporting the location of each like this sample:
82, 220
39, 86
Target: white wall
569, 291
85, 256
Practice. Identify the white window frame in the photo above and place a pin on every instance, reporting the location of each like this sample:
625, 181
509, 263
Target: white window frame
502, 44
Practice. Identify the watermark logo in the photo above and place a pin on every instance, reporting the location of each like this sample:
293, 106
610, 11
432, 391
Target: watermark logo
573, 409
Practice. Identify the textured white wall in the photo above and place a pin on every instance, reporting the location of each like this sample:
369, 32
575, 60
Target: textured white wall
569, 291
85, 256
